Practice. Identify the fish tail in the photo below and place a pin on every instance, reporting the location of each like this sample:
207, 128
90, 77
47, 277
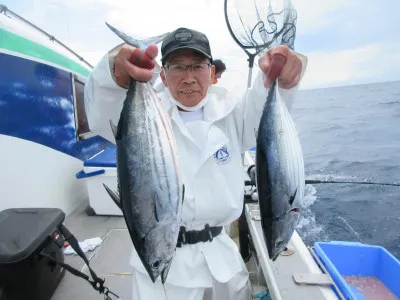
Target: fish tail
137, 43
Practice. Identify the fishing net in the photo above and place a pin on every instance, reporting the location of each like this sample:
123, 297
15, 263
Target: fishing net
258, 25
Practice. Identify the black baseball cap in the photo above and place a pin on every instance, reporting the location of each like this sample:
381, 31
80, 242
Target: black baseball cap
184, 38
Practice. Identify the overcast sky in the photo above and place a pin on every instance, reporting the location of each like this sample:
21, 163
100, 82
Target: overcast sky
346, 42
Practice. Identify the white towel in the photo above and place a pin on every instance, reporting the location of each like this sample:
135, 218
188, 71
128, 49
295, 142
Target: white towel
86, 245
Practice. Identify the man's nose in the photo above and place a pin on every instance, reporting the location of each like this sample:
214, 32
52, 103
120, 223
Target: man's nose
189, 77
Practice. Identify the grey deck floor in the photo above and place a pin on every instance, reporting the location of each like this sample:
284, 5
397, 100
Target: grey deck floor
110, 260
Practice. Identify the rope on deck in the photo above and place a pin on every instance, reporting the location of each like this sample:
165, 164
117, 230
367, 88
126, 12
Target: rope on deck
263, 295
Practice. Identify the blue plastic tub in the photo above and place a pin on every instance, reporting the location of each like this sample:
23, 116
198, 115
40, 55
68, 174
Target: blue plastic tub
357, 259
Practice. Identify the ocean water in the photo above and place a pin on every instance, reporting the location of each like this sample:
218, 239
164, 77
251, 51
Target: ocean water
351, 133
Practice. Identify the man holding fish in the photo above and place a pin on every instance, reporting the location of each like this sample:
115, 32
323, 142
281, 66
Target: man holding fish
212, 130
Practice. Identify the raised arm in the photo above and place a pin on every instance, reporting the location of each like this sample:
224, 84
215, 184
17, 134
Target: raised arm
107, 85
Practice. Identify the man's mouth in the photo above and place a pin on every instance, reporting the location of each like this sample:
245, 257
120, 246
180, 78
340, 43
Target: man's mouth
188, 92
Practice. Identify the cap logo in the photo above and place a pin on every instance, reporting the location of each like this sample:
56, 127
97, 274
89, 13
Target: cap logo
183, 36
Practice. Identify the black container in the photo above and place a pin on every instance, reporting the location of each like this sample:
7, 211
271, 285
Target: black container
25, 233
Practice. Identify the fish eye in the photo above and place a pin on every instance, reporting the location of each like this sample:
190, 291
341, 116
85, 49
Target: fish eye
279, 244
156, 264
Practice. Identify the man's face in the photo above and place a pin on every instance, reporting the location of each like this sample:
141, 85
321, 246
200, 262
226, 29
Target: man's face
188, 87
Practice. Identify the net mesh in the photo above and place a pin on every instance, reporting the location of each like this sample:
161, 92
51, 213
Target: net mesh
258, 25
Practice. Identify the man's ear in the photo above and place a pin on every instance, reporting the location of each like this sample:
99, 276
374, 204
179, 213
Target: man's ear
163, 77
213, 79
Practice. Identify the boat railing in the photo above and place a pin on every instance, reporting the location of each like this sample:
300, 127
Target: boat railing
4, 9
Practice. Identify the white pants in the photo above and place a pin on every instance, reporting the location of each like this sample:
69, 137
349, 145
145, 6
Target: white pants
238, 288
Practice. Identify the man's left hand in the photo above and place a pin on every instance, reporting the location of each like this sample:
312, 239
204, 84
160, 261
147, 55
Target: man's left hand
290, 74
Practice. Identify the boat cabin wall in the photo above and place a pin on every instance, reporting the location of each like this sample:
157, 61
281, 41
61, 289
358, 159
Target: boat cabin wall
44, 104
44, 135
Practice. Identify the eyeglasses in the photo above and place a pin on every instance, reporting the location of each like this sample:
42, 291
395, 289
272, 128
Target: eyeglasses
180, 69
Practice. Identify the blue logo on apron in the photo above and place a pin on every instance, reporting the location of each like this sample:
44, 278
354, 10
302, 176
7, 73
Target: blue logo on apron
222, 156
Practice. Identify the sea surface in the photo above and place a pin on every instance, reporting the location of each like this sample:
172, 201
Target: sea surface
351, 133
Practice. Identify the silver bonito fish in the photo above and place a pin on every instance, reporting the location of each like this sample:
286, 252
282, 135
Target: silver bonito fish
150, 188
280, 174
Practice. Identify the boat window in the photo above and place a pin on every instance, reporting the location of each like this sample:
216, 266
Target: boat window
81, 122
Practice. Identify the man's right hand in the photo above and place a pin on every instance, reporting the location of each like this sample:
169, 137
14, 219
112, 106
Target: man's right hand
125, 70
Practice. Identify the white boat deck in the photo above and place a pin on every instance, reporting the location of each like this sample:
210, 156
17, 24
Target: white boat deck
279, 274
111, 261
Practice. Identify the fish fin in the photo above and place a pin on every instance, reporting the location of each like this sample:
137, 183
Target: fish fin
118, 192
183, 193
158, 208
114, 129
113, 196
291, 199
142, 44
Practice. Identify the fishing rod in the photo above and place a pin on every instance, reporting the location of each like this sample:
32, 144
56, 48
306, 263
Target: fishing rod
314, 181
251, 171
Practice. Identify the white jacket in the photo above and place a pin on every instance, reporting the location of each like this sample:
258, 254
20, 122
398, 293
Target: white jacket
210, 158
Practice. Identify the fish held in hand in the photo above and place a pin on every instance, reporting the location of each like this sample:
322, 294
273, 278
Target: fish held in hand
280, 172
149, 181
